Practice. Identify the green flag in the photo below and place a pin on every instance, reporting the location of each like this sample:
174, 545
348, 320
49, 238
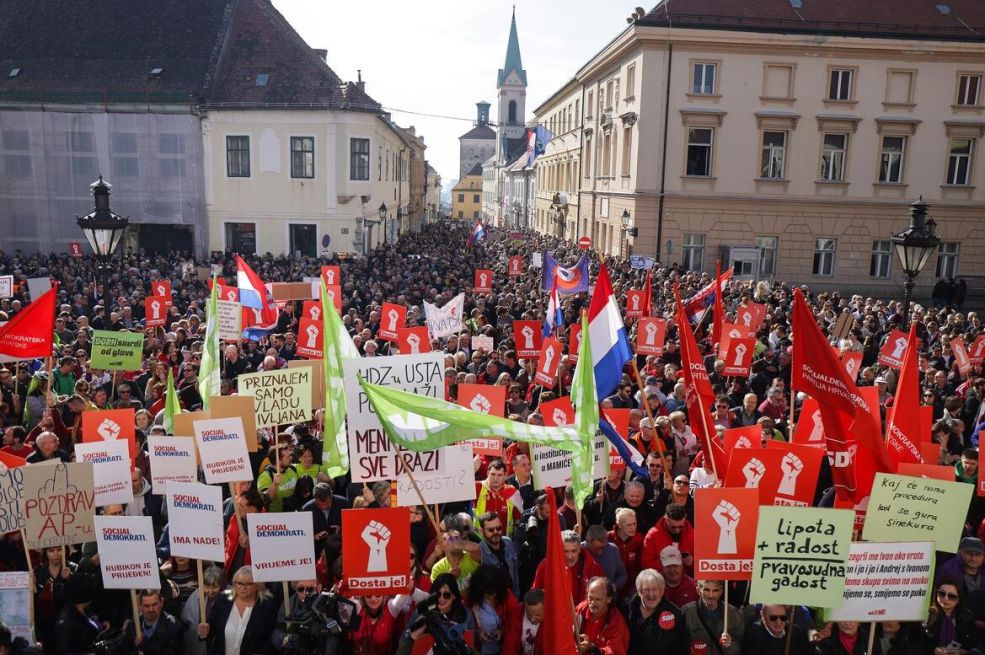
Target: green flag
422, 423
336, 346
208, 372
586, 418
171, 404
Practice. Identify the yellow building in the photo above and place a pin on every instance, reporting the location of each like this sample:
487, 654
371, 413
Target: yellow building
466, 197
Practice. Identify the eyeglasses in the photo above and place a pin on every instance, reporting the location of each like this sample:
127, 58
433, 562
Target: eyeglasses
949, 595
306, 590
683, 482
240, 583
777, 617
445, 595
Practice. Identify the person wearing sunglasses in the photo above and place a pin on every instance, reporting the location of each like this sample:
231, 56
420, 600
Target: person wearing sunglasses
447, 600
950, 625
768, 635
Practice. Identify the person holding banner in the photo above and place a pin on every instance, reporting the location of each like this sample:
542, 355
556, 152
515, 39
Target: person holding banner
851, 638
768, 635
242, 619
655, 624
159, 633
713, 623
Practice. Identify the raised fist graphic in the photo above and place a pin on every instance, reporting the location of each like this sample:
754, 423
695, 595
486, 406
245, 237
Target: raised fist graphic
155, 308
548, 360
651, 333
754, 470
414, 342
898, 348
480, 404
817, 433
312, 333
528, 336
727, 516
740, 352
315, 312
108, 430
377, 536
792, 467
392, 316
560, 418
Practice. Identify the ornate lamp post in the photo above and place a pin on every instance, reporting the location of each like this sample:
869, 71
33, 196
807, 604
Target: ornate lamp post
914, 246
103, 228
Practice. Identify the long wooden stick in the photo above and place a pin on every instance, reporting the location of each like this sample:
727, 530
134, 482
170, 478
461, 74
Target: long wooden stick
872, 638
136, 612
201, 591
31, 583
420, 496
790, 612
649, 412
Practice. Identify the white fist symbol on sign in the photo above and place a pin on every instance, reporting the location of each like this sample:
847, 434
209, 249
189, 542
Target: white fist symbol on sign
635, 299
792, 468
651, 334
560, 418
740, 351
315, 312
898, 348
480, 404
161, 289
528, 336
312, 333
108, 430
754, 470
377, 536
330, 276
331, 296
747, 319
735, 334
817, 432
392, 316
155, 308
978, 350
727, 516
851, 367
414, 342
230, 295
482, 280
743, 442
548, 359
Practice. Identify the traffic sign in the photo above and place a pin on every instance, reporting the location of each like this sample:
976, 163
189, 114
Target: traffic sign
585, 243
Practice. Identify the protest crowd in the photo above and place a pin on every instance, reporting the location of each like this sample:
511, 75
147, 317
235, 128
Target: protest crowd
638, 555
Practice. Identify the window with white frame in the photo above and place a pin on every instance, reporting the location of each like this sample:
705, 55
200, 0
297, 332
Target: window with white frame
840, 87
627, 149
704, 79
631, 80
959, 161
303, 157
606, 153
969, 90
833, 157
237, 156
359, 159
774, 155
768, 247
699, 151
693, 252
882, 255
947, 259
891, 159
824, 256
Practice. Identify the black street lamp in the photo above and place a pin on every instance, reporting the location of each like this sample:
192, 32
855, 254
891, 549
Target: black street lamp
103, 228
628, 228
914, 246
383, 210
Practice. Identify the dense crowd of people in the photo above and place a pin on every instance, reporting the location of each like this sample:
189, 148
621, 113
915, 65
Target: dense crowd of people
630, 558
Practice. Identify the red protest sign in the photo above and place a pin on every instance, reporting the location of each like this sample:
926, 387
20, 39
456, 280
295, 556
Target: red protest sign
309, 344
484, 399
810, 430
374, 560
891, 353
311, 309
650, 333
155, 311
574, 341
728, 518
110, 424
976, 354
334, 294
750, 436
75, 249
483, 280
162, 288
392, 318
800, 467
852, 362
750, 316
932, 471
981, 480
527, 338
332, 276
635, 303
225, 292
557, 412
738, 356
547, 365
961, 355
516, 265
414, 340
619, 420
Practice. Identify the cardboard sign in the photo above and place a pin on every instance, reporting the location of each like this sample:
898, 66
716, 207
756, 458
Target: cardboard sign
310, 338
484, 399
891, 353
809, 429
484, 343
574, 341
886, 582
108, 425
516, 265
155, 311
917, 509
750, 316
784, 474
110, 470
334, 294
172, 459
650, 334
282, 546
11, 492
483, 280
392, 318
184, 423
127, 557
976, 355
284, 291
527, 337
281, 397
371, 455
222, 448
557, 412
58, 504
229, 320
311, 309
415, 340
801, 556
961, 355
15, 601
749, 437
162, 288
374, 560
332, 275
547, 365
635, 303
117, 351
852, 362
195, 527
455, 482
728, 519
241, 406
738, 356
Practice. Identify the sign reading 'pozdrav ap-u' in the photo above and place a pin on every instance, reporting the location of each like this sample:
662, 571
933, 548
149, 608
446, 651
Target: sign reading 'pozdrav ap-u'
371, 455
280, 397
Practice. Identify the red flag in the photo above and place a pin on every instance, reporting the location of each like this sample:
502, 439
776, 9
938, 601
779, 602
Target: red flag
29, 334
698, 395
719, 316
903, 424
559, 621
648, 296
845, 414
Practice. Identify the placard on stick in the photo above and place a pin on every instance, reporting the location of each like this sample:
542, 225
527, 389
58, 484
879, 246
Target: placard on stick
237, 406
886, 582
127, 558
11, 492
282, 546
195, 521
317, 380
282, 397
222, 449
58, 504
917, 509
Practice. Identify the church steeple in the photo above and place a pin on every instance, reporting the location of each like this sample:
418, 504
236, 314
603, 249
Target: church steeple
513, 61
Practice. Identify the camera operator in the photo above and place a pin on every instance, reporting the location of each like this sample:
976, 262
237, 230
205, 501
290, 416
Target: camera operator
303, 589
160, 633
77, 629
443, 612
245, 615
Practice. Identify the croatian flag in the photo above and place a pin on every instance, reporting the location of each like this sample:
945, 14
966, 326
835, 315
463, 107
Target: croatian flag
259, 312
610, 348
478, 232
699, 303
628, 452
555, 317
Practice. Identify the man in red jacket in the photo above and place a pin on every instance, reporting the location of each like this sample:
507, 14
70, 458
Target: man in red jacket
672, 529
581, 566
630, 543
601, 628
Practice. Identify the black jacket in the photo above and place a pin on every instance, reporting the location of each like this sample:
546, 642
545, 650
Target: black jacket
662, 632
166, 640
832, 645
759, 641
74, 634
256, 639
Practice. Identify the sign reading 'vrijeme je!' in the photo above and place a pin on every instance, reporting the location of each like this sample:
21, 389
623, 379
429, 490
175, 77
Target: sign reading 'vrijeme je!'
117, 351
280, 397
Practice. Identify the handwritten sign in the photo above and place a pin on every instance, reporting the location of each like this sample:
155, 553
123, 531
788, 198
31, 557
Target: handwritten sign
229, 320
11, 492
454, 482
282, 546
110, 470
127, 557
195, 521
117, 351
15, 604
801, 555
917, 509
281, 397
222, 447
886, 582
58, 504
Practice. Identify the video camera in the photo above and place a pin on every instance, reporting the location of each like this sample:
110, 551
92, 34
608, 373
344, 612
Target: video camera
317, 623
449, 638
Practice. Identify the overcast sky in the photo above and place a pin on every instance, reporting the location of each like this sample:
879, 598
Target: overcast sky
441, 56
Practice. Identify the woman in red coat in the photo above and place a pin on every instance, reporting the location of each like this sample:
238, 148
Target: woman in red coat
494, 614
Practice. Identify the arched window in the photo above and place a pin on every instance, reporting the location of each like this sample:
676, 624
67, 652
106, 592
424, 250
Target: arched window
512, 111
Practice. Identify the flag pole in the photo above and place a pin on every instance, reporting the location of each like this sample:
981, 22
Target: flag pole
649, 412
420, 496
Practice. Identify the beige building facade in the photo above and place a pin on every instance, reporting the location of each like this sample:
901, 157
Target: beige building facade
787, 155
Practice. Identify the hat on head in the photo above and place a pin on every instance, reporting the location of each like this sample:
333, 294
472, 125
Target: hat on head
670, 556
973, 544
651, 379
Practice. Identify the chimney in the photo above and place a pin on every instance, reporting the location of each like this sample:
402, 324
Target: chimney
322, 53
412, 131
359, 80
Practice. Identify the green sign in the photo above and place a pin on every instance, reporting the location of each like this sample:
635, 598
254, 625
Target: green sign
117, 351
801, 556
904, 508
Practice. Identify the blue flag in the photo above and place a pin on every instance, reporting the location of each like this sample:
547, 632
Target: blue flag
537, 139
